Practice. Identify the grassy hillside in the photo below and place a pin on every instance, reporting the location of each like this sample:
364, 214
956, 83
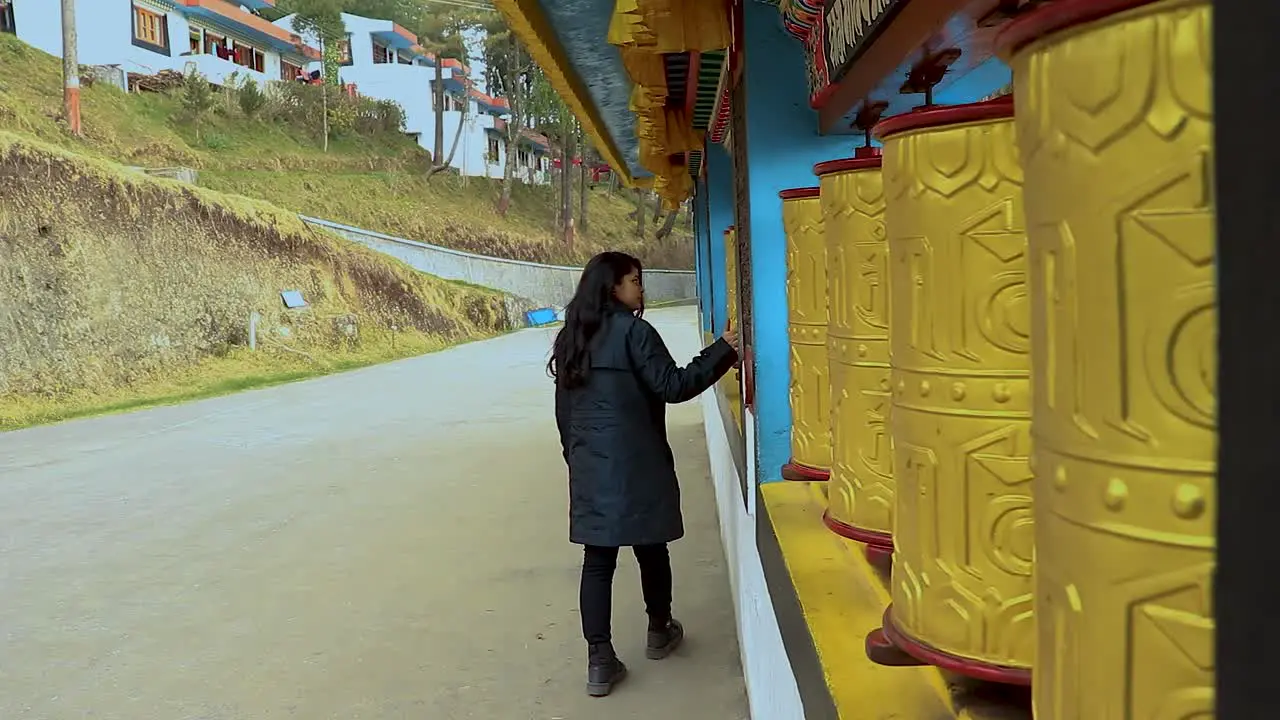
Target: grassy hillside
120, 290
372, 182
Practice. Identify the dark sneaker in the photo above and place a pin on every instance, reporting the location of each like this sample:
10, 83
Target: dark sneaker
604, 670
663, 642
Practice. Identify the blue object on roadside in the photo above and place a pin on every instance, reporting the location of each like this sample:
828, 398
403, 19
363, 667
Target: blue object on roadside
293, 299
540, 317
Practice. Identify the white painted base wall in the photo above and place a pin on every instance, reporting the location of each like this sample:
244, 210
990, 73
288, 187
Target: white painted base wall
771, 683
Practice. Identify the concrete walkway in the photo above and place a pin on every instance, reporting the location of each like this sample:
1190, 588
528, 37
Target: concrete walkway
384, 544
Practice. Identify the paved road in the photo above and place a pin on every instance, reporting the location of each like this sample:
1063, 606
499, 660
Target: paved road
384, 544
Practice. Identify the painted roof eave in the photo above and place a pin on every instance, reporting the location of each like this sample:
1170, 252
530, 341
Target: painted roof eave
527, 21
394, 40
228, 19
217, 22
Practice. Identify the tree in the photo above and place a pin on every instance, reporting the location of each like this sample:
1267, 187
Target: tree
548, 113
251, 97
197, 99
322, 19
442, 32
568, 142
509, 76
667, 225
405, 13
640, 206
588, 155
457, 136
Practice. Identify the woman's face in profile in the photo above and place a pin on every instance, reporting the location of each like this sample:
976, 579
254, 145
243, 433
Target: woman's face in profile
630, 291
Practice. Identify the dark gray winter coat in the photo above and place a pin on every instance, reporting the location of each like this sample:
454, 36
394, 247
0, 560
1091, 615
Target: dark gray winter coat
622, 476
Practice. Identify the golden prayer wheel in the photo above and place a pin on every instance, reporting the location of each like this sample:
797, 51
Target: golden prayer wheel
960, 377
732, 382
807, 327
860, 493
1115, 128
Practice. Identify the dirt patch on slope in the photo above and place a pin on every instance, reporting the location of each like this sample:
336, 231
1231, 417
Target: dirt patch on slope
109, 278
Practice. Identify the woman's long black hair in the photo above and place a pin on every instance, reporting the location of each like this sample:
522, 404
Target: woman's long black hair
585, 314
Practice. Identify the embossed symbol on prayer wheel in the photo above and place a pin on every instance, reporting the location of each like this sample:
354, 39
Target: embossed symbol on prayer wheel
807, 328
1115, 127
860, 496
960, 382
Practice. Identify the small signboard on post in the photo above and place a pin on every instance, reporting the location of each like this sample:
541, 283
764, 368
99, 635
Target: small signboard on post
293, 299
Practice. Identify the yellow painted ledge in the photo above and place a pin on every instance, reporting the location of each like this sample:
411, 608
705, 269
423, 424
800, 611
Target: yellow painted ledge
526, 20
843, 598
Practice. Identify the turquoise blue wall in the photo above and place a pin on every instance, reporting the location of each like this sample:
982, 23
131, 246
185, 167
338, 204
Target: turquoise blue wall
701, 238
718, 189
783, 145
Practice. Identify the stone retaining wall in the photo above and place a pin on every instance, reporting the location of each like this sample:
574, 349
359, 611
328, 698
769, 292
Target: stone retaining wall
542, 285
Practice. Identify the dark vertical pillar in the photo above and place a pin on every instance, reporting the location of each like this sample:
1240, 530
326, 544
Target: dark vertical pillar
1247, 154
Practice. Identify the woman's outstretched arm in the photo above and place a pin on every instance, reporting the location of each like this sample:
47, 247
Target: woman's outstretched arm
659, 372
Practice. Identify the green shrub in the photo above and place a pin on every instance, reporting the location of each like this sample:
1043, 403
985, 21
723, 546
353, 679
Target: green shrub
226, 101
216, 141
343, 112
251, 98
304, 106
379, 116
197, 99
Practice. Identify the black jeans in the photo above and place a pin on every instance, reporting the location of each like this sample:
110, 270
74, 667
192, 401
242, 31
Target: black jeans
595, 598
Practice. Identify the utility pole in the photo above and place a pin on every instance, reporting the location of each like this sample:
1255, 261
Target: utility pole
70, 68
324, 90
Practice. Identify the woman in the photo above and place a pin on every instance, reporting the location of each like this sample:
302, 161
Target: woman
614, 377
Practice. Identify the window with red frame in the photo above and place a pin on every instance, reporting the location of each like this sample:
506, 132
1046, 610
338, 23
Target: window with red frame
249, 57
216, 45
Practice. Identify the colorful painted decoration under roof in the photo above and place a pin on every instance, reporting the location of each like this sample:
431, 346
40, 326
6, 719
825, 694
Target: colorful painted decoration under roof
650, 34
641, 75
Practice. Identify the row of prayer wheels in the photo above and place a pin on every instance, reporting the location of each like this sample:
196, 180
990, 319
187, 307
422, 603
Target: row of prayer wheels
1003, 341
